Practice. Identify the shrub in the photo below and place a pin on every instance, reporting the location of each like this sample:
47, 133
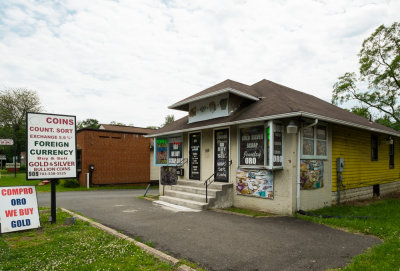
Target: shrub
71, 183
22, 168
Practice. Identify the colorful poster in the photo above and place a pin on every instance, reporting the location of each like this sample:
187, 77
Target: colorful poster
311, 174
256, 183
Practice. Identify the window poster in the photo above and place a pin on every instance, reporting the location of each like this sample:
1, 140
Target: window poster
311, 174
169, 176
255, 183
252, 145
277, 155
161, 150
221, 144
175, 150
194, 156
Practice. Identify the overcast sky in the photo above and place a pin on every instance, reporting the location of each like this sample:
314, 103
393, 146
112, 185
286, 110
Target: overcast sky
127, 61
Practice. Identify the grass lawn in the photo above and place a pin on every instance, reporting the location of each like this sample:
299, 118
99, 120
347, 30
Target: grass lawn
72, 247
9, 180
384, 223
248, 212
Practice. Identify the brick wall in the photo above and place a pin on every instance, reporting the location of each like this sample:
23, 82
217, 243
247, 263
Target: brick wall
119, 158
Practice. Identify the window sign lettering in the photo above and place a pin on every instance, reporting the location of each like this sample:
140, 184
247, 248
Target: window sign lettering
221, 144
252, 146
194, 156
278, 151
161, 150
175, 150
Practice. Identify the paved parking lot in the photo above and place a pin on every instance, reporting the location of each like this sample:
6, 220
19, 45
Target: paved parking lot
215, 240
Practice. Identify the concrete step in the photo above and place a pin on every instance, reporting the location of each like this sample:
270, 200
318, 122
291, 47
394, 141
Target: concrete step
195, 190
185, 202
190, 196
214, 185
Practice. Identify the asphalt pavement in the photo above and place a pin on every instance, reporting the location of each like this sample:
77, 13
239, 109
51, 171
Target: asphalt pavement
218, 241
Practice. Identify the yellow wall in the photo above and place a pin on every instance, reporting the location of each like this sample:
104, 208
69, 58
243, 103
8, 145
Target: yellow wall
354, 146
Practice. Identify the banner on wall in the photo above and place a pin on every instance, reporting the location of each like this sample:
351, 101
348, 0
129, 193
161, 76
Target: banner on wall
311, 174
256, 183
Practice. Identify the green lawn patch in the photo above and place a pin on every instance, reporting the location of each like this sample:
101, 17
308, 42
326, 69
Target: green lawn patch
383, 222
150, 197
72, 247
248, 212
9, 180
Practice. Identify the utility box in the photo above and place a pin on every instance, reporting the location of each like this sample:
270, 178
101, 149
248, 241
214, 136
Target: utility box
339, 164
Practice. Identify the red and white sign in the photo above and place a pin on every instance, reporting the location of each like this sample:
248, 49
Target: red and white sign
51, 146
18, 208
6, 142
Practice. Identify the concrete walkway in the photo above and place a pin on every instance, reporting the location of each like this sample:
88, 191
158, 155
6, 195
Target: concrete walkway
215, 240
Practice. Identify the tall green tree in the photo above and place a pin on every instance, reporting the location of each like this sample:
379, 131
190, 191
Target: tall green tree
14, 104
168, 119
377, 83
88, 123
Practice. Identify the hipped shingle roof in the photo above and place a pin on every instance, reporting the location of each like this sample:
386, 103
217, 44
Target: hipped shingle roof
275, 101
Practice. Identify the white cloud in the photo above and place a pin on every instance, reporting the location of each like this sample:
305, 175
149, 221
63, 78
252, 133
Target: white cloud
128, 60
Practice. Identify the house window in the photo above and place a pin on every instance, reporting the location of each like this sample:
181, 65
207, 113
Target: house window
374, 148
168, 150
261, 146
391, 155
315, 142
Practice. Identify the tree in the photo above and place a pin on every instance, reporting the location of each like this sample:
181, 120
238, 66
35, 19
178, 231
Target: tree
14, 104
379, 75
88, 123
118, 123
168, 119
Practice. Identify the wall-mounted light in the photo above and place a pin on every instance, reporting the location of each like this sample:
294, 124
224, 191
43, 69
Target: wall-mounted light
389, 140
292, 127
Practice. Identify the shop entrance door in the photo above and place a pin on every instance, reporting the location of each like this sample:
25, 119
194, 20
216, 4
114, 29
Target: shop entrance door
194, 156
221, 155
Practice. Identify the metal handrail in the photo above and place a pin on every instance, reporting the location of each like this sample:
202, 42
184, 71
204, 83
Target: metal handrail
182, 162
207, 183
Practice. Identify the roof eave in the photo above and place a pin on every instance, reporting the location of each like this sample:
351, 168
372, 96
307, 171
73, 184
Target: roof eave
280, 116
179, 105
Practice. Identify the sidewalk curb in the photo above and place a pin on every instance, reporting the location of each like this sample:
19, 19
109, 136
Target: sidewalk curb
160, 255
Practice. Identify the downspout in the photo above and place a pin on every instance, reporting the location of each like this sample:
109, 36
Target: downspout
298, 162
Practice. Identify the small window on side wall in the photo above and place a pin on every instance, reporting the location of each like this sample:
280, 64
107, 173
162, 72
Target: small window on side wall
374, 148
315, 142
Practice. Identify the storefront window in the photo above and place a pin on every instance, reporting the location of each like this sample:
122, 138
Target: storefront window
261, 146
175, 150
168, 150
252, 145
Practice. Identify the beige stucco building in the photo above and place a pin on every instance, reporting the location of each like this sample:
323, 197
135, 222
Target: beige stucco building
265, 147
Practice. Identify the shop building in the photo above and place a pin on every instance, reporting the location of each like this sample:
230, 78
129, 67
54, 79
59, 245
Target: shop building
272, 148
118, 155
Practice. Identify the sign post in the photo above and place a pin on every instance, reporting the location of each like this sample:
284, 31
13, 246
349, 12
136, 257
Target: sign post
51, 150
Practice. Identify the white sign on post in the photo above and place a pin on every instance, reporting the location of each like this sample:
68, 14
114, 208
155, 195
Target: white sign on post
6, 142
18, 208
51, 146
